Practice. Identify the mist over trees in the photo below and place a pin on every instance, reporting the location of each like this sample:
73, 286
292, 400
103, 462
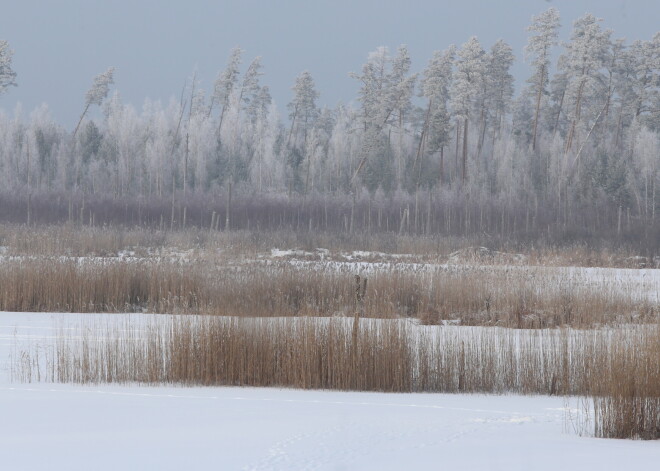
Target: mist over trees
455, 148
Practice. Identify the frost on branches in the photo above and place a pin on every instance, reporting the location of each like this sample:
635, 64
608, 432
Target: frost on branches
7, 75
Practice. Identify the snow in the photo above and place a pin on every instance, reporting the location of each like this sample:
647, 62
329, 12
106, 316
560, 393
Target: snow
109, 427
119, 427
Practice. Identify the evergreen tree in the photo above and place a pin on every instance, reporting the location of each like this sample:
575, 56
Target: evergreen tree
538, 51
225, 84
7, 74
466, 87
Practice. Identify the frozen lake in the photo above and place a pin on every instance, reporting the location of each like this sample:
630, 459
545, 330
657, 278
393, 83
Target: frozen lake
109, 427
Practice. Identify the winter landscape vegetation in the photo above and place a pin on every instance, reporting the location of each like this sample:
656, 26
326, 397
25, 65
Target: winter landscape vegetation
449, 261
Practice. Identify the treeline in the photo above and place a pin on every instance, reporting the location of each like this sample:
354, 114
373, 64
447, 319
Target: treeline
451, 148
493, 223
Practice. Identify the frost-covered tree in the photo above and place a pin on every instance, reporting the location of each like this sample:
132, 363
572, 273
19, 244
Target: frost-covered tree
259, 105
250, 88
639, 78
596, 107
97, 93
401, 86
401, 89
538, 51
373, 87
303, 113
125, 134
302, 109
7, 74
226, 83
498, 88
384, 96
435, 86
585, 56
466, 87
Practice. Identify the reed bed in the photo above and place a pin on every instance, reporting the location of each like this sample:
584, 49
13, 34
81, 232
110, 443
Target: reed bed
56, 285
486, 296
619, 369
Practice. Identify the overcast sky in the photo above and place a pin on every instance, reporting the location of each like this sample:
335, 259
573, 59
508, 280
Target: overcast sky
60, 45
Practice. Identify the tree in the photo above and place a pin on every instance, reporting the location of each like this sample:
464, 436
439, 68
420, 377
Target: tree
250, 89
585, 56
225, 84
385, 96
259, 105
435, 86
467, 83
7, 75
402, 87
654, 100
637, 79
97, 93
302, 109
303, 114
538, 51
498, 88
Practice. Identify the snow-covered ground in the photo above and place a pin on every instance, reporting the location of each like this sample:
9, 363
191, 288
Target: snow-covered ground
73, 427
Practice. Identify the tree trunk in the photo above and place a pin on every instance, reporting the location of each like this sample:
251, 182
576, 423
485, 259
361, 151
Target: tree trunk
539, 93
465, 149
442, 164
228, 211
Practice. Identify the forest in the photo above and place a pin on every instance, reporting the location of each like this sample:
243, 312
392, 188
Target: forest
458, 148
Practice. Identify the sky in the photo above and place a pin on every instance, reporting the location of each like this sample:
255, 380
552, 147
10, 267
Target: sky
155, 45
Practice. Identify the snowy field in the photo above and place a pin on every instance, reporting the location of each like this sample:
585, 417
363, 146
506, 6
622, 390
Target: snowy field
72, 427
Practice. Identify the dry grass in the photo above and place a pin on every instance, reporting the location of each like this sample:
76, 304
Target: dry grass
55, 285
627, 390
78, 241
518, 298
619, 369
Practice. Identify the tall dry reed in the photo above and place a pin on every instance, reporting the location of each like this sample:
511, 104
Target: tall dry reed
618, 368
493, 296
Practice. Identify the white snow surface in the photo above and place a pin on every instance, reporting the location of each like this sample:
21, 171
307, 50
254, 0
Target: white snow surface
125, 427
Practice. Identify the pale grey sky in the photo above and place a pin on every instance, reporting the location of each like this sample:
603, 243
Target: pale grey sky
60, 45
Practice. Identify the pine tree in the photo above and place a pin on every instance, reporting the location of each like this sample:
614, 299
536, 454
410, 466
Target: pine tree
466, 87
302, 109
97, 93
7, 74
435, 86
585, 56
303, 114
225, 85
498, 87
384, 95
538, 51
